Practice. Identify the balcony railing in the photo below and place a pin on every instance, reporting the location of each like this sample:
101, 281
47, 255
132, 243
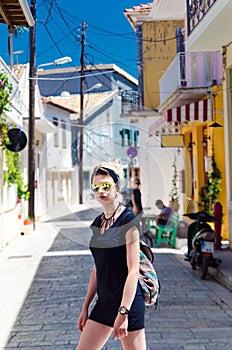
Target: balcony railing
191, 70
196, 10
130, 102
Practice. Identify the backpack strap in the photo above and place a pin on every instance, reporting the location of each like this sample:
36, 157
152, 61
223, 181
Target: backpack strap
147, 251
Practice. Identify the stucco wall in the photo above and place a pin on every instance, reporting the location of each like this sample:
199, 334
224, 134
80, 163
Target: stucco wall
159, 49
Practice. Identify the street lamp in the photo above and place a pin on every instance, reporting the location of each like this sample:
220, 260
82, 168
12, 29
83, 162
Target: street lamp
57, 62
94, 87
31, 126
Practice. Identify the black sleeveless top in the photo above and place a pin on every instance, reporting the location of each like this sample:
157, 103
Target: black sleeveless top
109, 253
138, 201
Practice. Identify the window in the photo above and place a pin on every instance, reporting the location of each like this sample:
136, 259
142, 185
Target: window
63, 126
136, 138
56, 139
88, 142
126, 136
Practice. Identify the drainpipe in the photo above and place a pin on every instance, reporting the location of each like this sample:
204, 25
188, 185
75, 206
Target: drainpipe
140, 63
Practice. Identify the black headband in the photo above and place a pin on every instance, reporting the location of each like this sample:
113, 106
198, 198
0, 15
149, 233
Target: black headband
112, 173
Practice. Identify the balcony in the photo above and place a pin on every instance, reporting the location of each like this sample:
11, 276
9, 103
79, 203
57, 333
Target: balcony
131, 107
206, 21
188, 77
14, 115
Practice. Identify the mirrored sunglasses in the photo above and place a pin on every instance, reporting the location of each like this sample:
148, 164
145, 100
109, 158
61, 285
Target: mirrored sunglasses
106, 187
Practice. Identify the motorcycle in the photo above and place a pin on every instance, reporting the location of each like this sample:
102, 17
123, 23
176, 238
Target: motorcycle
201, 241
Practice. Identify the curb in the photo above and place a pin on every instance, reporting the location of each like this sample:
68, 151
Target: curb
221, 277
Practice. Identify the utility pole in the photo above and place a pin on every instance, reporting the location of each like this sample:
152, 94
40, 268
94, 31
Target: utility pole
81, 122
31, 124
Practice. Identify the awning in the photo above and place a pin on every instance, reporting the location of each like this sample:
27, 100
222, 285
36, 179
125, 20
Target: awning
172, 120
200, 110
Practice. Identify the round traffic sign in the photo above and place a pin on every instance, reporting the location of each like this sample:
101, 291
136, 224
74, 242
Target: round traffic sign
132, 152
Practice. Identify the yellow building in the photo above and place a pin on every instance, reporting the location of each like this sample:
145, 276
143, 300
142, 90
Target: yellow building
157, 40
158, 50
201, 141
185, 89
203, 35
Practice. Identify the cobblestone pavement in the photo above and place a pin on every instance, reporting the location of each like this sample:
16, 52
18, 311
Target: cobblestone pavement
192, 314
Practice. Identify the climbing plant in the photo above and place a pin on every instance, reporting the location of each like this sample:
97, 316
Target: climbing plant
5, 92
209, 193
173, 194
13, 160
13, 174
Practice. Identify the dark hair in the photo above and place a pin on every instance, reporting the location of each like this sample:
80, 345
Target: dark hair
137, 181
159, 202
101, 170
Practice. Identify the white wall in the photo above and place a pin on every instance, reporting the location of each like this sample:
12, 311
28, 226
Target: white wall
156, 168
58, 157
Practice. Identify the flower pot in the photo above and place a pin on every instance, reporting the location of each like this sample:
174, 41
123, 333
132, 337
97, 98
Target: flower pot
26, 222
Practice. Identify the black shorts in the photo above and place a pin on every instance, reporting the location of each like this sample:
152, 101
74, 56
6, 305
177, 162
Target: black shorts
106, 314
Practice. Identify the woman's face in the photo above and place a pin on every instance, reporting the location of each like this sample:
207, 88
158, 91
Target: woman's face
105, 189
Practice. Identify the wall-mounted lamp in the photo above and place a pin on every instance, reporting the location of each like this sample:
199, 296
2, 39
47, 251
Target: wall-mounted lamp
190, 146
215, 125
204, 141
212, 96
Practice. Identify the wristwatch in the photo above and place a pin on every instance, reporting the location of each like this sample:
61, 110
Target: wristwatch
123, 310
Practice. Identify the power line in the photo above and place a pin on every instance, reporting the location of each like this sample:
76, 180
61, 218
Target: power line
49, 12
75, 77
69, 19
54, 42
70, 30
110, 33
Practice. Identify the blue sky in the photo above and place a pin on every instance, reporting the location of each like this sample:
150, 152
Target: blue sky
109, 37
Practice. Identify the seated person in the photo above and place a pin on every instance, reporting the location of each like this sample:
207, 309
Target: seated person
162, 218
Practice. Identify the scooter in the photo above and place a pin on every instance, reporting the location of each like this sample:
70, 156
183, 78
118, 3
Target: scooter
201, 243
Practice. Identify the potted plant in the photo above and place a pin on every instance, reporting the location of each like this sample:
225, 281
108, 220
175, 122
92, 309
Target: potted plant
173, 194
27, 221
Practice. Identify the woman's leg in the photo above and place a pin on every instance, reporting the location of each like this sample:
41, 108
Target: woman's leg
94, 336
135, 340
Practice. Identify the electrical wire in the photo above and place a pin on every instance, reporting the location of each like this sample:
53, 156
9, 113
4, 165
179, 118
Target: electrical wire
65, 16
71, 30
49, 12
130, 35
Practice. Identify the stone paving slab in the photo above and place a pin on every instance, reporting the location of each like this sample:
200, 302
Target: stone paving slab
188, 315
192, 314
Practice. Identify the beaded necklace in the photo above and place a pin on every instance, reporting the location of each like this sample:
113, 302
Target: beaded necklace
107, 222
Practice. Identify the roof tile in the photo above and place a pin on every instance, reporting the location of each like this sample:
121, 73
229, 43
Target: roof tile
73, 103
140, 8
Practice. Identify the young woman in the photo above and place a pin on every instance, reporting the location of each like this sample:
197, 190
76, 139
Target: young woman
114, 245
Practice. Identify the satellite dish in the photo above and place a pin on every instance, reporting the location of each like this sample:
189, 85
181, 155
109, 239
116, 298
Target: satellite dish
18, 140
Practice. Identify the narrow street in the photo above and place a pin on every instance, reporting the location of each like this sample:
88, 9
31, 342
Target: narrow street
192, 314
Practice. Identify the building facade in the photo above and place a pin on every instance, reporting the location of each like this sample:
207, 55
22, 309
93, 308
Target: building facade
105, 134
203, 34
12, 14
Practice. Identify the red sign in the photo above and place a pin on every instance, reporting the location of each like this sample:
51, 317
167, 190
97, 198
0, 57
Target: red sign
132, 152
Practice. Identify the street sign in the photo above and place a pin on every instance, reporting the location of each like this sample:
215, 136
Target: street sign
132, 152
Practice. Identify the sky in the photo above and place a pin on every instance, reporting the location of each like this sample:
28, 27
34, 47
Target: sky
109, 36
